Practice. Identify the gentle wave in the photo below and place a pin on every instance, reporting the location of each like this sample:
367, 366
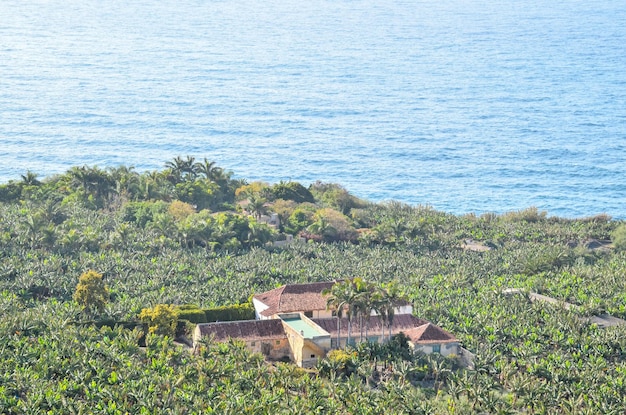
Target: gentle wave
468, 106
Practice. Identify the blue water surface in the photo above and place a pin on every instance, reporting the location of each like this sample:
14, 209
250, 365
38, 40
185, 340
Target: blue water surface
465, 105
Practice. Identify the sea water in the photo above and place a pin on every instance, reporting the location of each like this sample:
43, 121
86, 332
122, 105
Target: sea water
464, 105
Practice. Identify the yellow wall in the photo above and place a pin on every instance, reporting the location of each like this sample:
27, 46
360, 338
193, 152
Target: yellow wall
278, 347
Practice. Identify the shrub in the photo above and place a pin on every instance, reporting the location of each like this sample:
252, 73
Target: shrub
142, 213
332, 225
292, 191
184, 328
180, 210
200, 193
335, 196
339, 361
161, 319
298, 220
252, 189
194, 315
10, 192
618, 236
530, 215
91, 292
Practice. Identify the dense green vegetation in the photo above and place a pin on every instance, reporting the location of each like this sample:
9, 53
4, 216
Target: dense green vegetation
192, 234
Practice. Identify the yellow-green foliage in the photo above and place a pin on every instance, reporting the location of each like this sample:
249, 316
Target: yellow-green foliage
619, 237
341, 362
91, 292
531, 214
161, 319
254, 188
337, 221
284, 208
181, 210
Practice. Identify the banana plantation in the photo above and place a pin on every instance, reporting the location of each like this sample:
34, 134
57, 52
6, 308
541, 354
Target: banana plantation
193, 234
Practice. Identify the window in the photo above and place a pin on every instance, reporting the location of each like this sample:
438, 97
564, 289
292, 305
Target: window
252, 343
308, 314
312, 356
436, 348
277, 341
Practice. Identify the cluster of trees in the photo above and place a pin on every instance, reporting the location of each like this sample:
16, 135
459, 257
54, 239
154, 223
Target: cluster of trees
376, 364
356, 298
191, 203
531, 357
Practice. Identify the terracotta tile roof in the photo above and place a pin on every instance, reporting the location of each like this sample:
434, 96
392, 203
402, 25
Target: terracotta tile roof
401, 322
294, 297
429, 333
245, 330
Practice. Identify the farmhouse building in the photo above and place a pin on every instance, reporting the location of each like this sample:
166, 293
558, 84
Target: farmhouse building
293, 322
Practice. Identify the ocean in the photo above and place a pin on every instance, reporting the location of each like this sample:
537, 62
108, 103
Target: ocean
463, 105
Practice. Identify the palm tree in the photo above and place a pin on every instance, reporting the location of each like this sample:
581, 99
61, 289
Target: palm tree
93, 181
362, 302
344, 299
155, 185
393, 297
101, 183
80, 177
220, 176
30, 178
352, 305
176, 167
206, 168
33, 225
189, 168
256, 206
384, 301
126, 181
258, 233
336, 300
322, 228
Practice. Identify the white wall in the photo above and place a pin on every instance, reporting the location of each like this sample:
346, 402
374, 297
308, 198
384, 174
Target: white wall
404, 309
322, 314
446, 349
259, 307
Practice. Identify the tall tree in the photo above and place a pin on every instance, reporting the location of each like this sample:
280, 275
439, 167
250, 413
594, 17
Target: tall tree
256, 206
94, 182
126, 181
391, 297
207, 168
362, 302
181, 169
338, 301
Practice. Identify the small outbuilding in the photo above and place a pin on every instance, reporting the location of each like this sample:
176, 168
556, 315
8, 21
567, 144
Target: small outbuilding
429, 338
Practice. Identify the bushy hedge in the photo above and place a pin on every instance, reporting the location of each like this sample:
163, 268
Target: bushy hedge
194, 314
230, 313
